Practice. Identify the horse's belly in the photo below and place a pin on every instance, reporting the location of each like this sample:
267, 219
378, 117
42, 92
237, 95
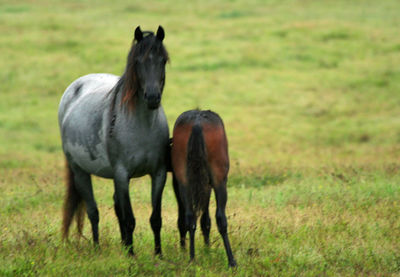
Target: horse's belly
93, 161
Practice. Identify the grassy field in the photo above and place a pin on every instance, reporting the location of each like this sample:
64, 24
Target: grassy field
310, 95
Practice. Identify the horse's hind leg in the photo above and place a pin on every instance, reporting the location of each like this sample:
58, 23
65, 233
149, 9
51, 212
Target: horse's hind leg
123, 209
181, 212
83, 184
157, 187
206, 221
221, 197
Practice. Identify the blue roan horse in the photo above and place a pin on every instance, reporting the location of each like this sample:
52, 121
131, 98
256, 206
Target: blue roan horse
114, 127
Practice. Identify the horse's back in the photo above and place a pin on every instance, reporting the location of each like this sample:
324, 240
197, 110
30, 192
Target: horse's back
215, 142
83, 122
98, 83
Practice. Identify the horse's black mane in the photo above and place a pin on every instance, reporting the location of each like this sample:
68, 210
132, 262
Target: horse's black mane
128, 84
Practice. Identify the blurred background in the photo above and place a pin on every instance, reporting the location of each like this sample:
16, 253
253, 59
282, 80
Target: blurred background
298, 83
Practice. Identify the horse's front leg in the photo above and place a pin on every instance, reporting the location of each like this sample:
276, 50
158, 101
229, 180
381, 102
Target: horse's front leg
123, 209
157, 187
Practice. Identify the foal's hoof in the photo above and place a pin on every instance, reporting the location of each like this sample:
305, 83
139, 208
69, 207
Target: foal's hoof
96, 247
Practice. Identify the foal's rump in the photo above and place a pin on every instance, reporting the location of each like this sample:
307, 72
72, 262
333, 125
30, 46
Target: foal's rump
199, 153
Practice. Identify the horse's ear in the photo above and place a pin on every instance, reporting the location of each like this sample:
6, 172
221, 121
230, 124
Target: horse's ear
160, 33
138, 34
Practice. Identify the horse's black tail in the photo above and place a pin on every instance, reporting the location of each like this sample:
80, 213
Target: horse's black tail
73, 205
197, 169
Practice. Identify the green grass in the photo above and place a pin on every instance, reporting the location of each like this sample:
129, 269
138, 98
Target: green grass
309, 93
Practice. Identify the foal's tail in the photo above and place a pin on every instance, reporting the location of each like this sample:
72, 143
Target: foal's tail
197, 169
73, 204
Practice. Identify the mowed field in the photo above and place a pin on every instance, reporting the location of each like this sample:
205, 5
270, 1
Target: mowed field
310, 95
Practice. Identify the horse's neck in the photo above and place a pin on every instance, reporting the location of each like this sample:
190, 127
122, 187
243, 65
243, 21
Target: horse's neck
143, 113
140, 114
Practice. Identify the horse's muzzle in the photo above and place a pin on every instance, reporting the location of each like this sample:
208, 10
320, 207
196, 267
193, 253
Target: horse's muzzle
153, 105
153, 100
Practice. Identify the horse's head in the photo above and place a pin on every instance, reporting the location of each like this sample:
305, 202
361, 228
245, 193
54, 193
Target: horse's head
150, 58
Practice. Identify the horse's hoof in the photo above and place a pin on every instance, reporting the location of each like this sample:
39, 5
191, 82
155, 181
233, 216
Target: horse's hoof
183, 245
192, 260
158, 252
130, 252
232, 264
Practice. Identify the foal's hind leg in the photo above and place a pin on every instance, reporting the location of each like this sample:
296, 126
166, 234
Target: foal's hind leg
221, 197
189, 216
206, 221
190, 219
83, 184
181, 212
